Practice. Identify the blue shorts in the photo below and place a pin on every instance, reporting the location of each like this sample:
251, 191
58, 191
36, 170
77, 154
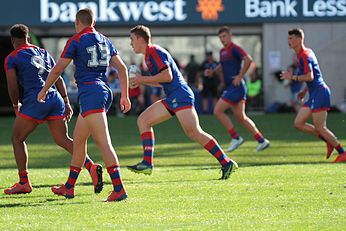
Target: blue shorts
180, 99
234, 95
52, 109
94, 97
319, 100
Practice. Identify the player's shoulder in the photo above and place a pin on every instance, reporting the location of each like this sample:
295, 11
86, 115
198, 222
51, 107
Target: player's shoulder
16, 51
305, 53
236, 47
154, 47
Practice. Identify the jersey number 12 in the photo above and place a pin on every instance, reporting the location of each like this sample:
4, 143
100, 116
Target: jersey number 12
94, 61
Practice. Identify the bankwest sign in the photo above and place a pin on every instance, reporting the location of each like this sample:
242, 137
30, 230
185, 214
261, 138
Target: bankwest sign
173, 12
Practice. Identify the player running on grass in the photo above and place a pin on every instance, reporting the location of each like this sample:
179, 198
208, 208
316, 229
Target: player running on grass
179, 101
232, 74
318, 104
91, 53
30, 65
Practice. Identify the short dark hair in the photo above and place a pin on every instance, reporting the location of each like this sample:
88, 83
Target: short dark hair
224, 29
85, 16
297, 32
141, 31
20, 31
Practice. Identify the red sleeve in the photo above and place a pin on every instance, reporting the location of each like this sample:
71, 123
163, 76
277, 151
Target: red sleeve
160, 60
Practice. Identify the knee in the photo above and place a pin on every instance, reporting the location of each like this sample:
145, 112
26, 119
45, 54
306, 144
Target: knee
142, 121
320, 128
241, 117
298, 124
217, 112
63, 142
192, 133
17, 139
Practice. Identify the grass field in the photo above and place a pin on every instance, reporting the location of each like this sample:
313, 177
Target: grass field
287, 187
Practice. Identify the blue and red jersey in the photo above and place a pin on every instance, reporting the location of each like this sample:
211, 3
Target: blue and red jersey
231, 58
307, 62
32, 65
91, 53
158, 59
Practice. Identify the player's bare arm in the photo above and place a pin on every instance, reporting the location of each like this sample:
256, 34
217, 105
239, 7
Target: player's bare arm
219, 73
12, 87
308, 77
117, 62
164, 76
53, 76
247, 60
61, 87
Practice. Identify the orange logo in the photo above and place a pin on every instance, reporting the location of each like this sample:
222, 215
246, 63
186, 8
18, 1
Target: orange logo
210, 9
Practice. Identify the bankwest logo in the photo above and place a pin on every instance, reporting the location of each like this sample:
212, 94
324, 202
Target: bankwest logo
114, 11
210, 9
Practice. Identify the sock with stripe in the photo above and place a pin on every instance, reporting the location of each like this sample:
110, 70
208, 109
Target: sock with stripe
72, 178
233, 133
88, 163
114, 173
23, 177
148, 142
259, 137
214, 148
340, 149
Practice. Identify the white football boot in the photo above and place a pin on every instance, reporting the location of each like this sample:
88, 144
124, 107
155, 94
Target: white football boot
264, 145
235, 143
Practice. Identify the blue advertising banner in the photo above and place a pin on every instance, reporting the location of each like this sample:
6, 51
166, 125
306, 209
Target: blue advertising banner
173, 12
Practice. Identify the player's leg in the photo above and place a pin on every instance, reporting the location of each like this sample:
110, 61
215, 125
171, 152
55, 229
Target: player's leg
21, 130
300, 123
81, 132
189, 121
155, 114
98, 127
320, 122
239, 113
59, 131
220, 113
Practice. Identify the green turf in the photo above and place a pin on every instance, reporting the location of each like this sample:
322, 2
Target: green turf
287, 187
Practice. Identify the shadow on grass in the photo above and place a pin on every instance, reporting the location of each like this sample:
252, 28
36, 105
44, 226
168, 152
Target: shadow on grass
45, 202
196, 166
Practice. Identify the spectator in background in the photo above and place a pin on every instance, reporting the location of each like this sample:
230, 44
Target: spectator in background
253, 85
210, 81
137, 100
191, 70
156, 94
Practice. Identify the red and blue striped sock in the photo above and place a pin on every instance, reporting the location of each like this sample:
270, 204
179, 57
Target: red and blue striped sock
88, 163
259, 137
72, 178
340, 149
114, 173
148, 142
233, 133
23, 177
214, 148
